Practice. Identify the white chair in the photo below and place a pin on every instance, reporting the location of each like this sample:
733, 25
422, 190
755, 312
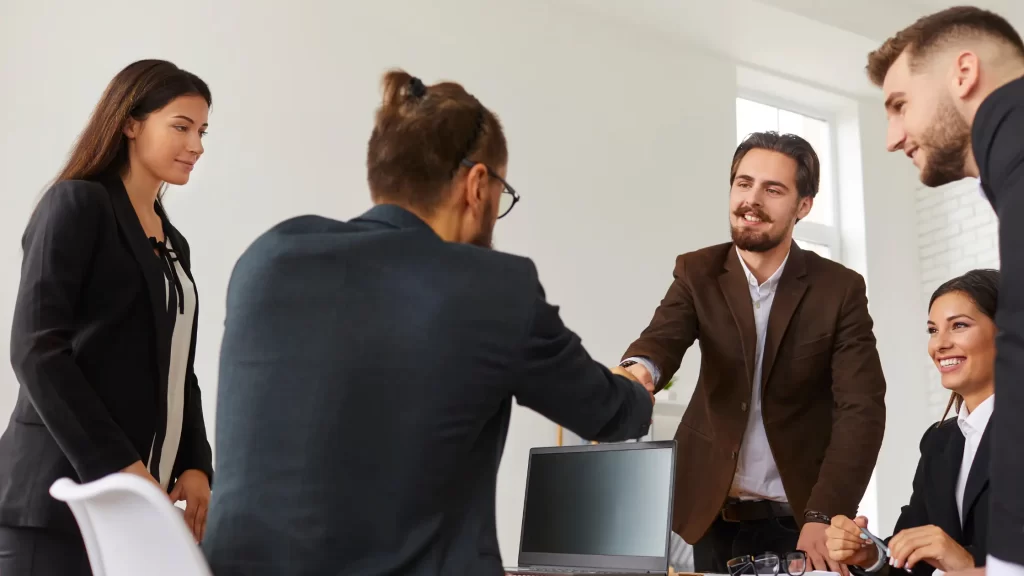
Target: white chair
130, 527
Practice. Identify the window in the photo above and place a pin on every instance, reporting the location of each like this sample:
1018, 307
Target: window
819, 232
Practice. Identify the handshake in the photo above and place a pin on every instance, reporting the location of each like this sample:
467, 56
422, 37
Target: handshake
637, 373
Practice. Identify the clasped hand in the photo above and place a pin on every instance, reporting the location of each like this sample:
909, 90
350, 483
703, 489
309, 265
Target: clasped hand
637, 373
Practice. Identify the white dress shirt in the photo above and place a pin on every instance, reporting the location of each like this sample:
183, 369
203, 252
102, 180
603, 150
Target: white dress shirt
972, 426
757, 475
998, 567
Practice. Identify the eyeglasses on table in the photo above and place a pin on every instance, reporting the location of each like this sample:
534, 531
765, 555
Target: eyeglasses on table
793, 563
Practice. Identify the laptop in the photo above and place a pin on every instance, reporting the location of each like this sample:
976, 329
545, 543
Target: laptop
598, 509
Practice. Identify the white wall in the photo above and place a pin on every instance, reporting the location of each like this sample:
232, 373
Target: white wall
893, 277
621, 162
957, 231
620, 120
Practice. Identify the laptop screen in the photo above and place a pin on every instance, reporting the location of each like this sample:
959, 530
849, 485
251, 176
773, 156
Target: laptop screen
606, 500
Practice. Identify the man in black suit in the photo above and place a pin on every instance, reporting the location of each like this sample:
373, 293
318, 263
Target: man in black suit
368, 367
954, 93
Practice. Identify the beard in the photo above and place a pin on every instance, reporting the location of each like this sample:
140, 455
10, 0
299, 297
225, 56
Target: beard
752, 240
946, 143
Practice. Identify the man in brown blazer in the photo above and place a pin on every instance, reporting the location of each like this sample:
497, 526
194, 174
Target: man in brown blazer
787, 418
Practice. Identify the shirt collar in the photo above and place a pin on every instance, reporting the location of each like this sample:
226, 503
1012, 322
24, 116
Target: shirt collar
772, 280
975, 421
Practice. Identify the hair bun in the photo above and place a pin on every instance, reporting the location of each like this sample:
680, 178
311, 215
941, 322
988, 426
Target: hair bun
416, 87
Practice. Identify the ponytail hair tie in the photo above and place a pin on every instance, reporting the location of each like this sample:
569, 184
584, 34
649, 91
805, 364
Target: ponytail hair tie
416, 87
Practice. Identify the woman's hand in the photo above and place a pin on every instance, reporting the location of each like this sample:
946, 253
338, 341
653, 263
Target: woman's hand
194, 488
139, 469
931, 544
848, 545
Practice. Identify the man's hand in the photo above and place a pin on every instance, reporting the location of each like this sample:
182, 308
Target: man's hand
625, 373
847, 544
194, 488
642, 376
139, 469
813, 542
931, 544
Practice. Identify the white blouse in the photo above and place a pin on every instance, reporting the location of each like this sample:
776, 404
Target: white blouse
181, 343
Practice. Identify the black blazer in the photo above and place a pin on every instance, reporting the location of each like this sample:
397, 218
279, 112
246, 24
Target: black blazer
933, 502
90, 345
366, 380
999, 150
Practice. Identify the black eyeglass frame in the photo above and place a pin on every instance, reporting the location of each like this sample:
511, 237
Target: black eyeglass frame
506, 190
749, 562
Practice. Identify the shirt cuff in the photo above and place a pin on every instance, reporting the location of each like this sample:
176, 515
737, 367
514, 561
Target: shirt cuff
651, 368
996, 567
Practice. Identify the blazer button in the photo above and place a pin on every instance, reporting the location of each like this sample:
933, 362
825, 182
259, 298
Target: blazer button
734, 454
743, 406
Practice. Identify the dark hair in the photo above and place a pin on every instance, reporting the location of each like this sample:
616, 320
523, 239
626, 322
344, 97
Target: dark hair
138, 90
808, 169
933, 31
421, 136
982, 287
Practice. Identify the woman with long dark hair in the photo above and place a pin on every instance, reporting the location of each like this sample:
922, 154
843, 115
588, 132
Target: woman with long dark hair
944, 527
104, 330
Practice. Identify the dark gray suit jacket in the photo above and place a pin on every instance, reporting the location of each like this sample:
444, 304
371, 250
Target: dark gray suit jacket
998, 141
367, 375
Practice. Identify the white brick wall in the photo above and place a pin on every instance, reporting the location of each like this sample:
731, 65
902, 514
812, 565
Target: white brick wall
956, 230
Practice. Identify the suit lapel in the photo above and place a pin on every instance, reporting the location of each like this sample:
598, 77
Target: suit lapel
977, 479
734, 286
788, 295
152, 270
945, 478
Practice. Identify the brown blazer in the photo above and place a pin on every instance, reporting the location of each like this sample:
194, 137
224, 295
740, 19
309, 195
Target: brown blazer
823, 391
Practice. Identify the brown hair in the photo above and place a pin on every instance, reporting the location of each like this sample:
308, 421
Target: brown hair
421, 136
808, 169
138, 90
982, 287
930, 32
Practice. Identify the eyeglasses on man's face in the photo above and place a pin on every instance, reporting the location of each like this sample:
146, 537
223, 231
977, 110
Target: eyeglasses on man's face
508, 199
769, 563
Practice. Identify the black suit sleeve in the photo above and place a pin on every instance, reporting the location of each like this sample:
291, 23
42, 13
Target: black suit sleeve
1002, 170
915, 513
194, 452
560, 380
59, 244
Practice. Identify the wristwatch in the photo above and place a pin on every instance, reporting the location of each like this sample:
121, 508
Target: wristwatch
819, 517
627, 363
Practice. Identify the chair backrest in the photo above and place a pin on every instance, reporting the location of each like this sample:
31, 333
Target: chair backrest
130, 527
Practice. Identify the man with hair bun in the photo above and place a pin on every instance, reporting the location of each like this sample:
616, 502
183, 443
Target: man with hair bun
368, 367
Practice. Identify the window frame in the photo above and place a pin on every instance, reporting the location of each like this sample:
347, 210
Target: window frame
829, 235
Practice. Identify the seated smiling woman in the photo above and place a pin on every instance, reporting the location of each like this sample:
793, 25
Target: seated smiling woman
944, 526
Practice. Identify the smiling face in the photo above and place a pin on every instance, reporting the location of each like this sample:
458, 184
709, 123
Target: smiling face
962, 343
764, 204
924, 122
168, 142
